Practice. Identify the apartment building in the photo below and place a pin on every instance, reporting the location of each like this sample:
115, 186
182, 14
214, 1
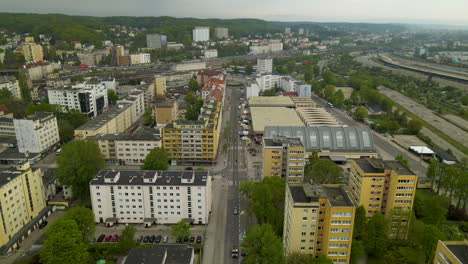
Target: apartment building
210, 53
451, 252
149, 197
115, 120
284, 157
160, 85
22, 199
90, 97
140, 58
196, 141
32, 52
58, 82
385, 186
265, 65
156, 41
318, 219
267, 48
7, 128
128, 149
221, 32
90, 58
11, 84
166, 111
136, 97
204, 76
39, 69
201, 34
36, 133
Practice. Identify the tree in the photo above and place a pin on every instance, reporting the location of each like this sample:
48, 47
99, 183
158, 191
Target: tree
299, 258
157, 159
338, 98
361, 113
193, 85
435, 173
63, 244
376, 235
262, 246
323, 171
249, 69
329, 91
392, 126
308, 75
403, 160
77, 164
316, 70
434, 211
358, 251
414, 126
355, 98
181, 229
148, 117
127, 239
428, 241
84, 219
360, 223
112, 97
24, 87
266, 200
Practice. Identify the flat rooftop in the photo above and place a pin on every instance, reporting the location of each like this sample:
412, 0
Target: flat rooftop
316, 116
279, 141
460, 251
367, 166
335, 194
271, 101
273, 116
397, 166
105, 117
139, 135
136, 177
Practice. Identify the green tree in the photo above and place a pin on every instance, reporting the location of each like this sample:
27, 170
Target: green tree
361, 113
435, 173
112, 97
157, 159
262, 246
127, 239
77, 164
355, 98
193, 85
148, 117
329, 91
428, 241
376, 235
414, 126
323, 171
249, 69
84, 219
266, 200
338, 98
358, 251
393, 126
181, 229
66, 130
308, 75
434, 211
24, 87
299, 258
63, 244
316, 70
360, 223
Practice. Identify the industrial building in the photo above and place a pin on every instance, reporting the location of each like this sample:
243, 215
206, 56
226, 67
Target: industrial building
271, 101
151, 197
316, 116
318, 220
268, 116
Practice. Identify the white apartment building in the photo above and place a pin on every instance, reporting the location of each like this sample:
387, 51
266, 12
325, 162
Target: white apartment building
36, 133
190, 66
211, 53
11, 84
140, 58
90, 97
162, 197
303, 89
136, 97
267, 81
201, 34
221, 32
269, 48
265, 65
287, 84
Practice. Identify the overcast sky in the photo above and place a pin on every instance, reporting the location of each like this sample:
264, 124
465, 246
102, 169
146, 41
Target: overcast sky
453, 12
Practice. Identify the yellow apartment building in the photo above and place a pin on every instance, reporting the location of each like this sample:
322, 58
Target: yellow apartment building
32, 52
22, 198
385, 186
115, 120
196, 141
29, 39
160, 85
451, 252
283, 157
166, 111
318, 219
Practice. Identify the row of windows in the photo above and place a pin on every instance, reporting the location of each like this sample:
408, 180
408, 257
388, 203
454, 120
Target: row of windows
341, 222
342, 214
406, 181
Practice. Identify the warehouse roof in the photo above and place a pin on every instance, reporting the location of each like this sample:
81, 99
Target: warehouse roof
333, 138
268, 116
270, 101
316, 116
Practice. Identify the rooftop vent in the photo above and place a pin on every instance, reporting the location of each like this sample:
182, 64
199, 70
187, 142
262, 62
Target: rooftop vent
339, 198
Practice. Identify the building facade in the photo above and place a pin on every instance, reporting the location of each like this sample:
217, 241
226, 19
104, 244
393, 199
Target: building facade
7, 128
162, 197
284, 157
11, 84
210, 53
451, 252
384, 186
190, 66
166, 111
265, 65
318, 220
156, 41
22, 199
160, 85
36, 133
201, 34
32, 52
221, 32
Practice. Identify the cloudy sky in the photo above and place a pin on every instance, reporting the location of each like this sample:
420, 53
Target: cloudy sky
453, 12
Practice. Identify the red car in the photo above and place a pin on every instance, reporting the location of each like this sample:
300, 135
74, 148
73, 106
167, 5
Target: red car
115, 238
108, 238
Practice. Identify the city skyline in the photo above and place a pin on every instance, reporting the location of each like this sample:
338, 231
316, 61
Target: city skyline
382, 11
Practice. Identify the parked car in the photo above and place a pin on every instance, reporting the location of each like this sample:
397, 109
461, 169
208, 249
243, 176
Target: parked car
199, 239
115, 238
235, 253
43, 224
165, 239
140, 238
158, 239
101, 238
235, 212
108, 238
186, 239
152, 238
179, 240
146, 239
192, 239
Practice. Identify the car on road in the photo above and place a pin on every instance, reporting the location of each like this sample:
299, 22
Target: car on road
235, 212
165, 239
152, 238
108, 238
101, 238
115, 238
43, 224
192, 239
158, 239
146, 239
58, 151
235, 253
199, 239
